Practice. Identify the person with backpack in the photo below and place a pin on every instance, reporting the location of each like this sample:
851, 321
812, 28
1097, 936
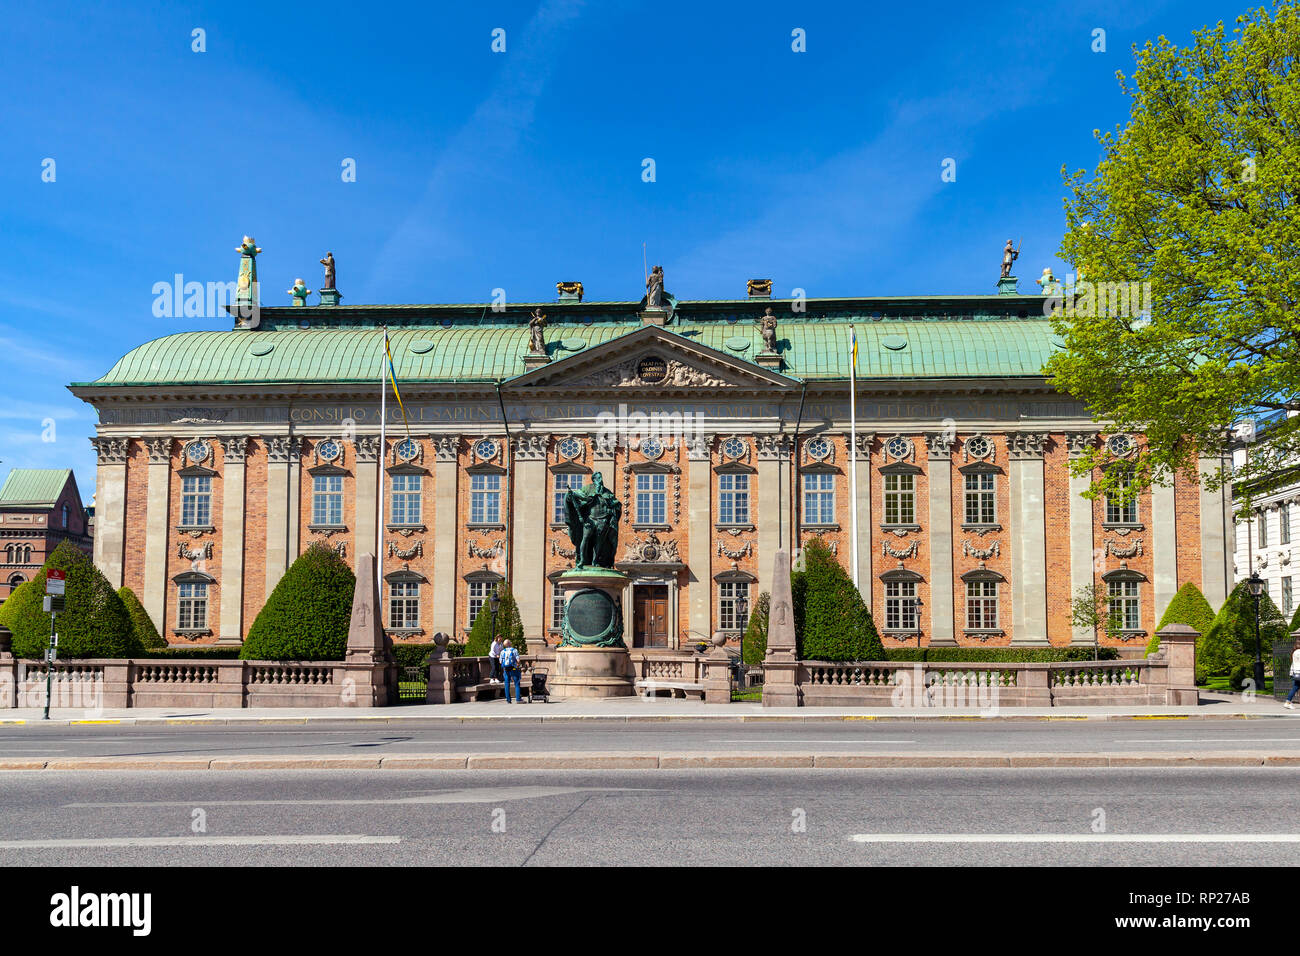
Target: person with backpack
494, 652
1295, 681
510, 666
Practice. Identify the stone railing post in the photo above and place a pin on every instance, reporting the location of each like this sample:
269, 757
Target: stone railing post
1035, 685
716, 671
117, 683
442, 684
8, 670
1178, 641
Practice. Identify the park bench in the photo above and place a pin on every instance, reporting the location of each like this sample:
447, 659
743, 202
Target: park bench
676, 688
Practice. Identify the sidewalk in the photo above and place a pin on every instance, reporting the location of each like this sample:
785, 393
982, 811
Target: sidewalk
636, 709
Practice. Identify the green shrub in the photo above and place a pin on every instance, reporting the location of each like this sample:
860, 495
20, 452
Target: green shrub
199, 652
1239, 675
1188, 607
756, 631
1230, 641
412, 655
508, 624
141, 622
1295, 618
94, 623
837, 624
306, 617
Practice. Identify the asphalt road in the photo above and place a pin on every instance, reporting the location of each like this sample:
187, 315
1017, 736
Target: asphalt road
34, 740
822, 817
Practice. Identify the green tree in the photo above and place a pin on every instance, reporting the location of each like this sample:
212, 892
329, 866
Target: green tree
1197, 195
1230, 641
1188, 607
836, 623
306, 618
756, 631
94, 622
1295, 619
141, 623
508, 624
1090, 609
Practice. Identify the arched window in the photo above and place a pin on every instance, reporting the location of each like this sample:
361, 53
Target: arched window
9, 554
65, 515
15, 580
27, 554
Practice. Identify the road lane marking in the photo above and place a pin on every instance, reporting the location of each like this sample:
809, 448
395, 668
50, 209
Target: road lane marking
1208, 740
297, 839
825, 740
1075, 837
475, 795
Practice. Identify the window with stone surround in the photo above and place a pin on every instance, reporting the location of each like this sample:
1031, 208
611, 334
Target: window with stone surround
327, 500
564, 481
729, 595
557, 606
484, 499
478, 595
900, 499
982, 605
981, 502
819, 498
733, 499
651, 498
404, 604
406, 499
196, 502
1288, 602
192, 606
900, 604
1262, 535
1119, 509
1125, 604
1284, 523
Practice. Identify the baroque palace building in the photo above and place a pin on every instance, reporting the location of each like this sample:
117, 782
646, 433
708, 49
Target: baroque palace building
724, 429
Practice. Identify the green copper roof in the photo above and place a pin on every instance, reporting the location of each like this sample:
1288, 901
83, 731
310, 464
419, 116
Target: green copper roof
988, 336
34, 487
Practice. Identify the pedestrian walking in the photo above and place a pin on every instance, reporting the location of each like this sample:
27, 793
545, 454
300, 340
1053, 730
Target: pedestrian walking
494, 652
510, 664
1295, 682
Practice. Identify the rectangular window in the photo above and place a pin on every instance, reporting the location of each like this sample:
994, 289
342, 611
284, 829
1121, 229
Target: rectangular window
485, 499
1119, 511
651, 499
193, 606
900, 499
819, 498
982, 605
900, 604
406, 499
563, 482
1288, 604
733, 499
1283, 524
404, 604
327, 499
557, 607
729, 595
1262, 536
478, 595
1124, 605
196, 501
980, 498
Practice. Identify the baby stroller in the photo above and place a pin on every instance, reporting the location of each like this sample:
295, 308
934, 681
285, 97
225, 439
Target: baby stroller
537, 686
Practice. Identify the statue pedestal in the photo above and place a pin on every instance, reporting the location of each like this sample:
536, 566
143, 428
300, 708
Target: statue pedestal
592, 659
329, 296
1007, 285
534, 360
770, 360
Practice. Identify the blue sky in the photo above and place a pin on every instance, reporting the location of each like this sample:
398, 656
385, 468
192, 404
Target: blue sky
477, 170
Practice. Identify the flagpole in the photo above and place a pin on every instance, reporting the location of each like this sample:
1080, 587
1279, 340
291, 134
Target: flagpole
383, 434
853, 447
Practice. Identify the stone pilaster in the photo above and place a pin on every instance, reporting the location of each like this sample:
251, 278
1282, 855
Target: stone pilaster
445, 544
699, 498
528, 535
110, 506
157, 525
773, 456
939, 446
367, 467
863, 454
279, 450
1164, 548
1082, 558
1218, 536
231, 630
1028, 538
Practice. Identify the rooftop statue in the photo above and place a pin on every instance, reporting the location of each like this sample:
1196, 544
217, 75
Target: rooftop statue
328, 263
592, 513
654, 288
1009, 256
768, 328
536, 323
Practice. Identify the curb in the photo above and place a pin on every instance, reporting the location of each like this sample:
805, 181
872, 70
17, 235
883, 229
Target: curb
801, 760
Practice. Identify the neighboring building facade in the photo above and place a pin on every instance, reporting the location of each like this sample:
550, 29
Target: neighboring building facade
39, 508
224, 454
1263, 539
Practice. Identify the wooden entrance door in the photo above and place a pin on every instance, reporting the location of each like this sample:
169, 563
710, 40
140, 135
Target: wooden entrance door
650, 616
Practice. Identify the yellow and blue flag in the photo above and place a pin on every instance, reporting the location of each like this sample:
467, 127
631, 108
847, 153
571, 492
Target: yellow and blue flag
392, 377
853, 343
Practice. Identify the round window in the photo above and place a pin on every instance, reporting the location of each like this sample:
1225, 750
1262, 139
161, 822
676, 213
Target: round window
818, 448
652, 447
197, 451
734, 448
329, 449
486, 449
1120, 445
898, 447
570, 448
407, 449
978, 446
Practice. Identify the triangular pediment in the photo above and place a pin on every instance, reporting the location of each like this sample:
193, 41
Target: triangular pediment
651, 358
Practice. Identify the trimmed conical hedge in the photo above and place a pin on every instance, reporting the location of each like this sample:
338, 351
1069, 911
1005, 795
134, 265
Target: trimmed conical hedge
1295, 618
1230, 641
832, 622
94, 623
1188, 607
509, 624
306, 617
141, 622
756, 631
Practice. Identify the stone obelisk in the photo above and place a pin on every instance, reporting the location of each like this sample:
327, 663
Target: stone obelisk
781, 663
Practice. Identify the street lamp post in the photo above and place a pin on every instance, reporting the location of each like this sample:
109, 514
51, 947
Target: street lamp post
1257, 589
493, 602
742, 606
